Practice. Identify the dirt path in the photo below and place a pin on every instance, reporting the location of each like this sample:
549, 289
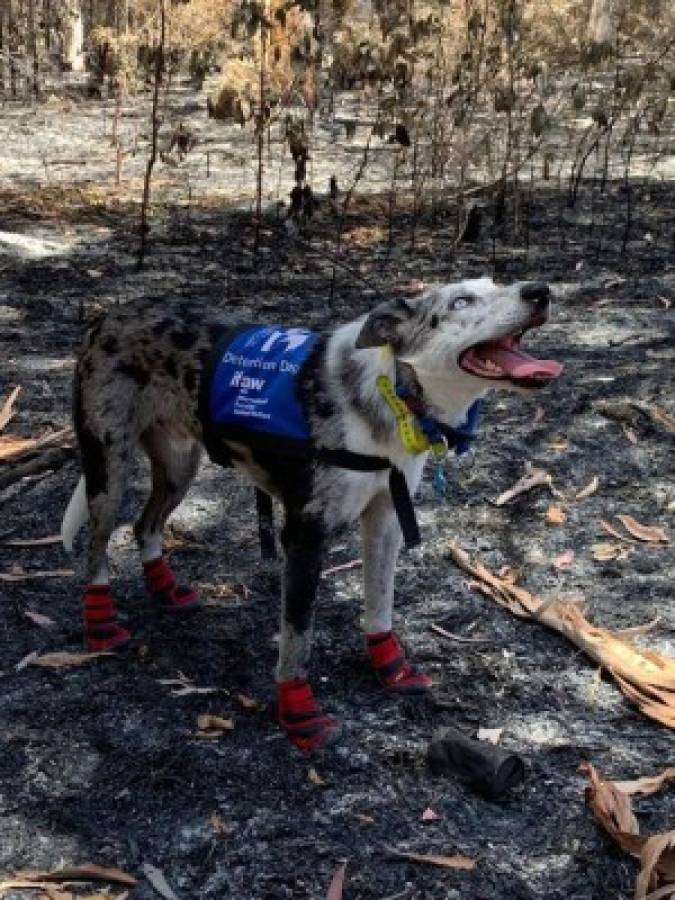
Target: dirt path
102, 763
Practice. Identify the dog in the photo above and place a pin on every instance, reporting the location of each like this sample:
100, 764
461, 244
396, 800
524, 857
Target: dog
361, 391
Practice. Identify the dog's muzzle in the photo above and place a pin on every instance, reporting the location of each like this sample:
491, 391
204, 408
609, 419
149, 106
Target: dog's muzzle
504, 360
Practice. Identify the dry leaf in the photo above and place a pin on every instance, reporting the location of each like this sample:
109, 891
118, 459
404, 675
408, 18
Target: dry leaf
63, 659
663, 418
647, 533
645, 677
590, 488
605, 552
610, 529
217, 824
429, 815
648, 784
156, 878
559, 444
564, 560
446, 862
531, 479
364, 819
555, 515
314, 778
27, 576
249, 702
213, 726
337, 883
491, 735
85, 872
7, 408
39, 619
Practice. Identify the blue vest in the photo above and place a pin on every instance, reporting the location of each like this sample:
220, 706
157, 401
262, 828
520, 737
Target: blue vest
253, 387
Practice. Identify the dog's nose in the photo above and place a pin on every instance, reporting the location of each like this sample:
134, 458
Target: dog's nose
536, 292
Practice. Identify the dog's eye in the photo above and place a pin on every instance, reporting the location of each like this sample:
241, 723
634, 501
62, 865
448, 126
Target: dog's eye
460, 302
433, 322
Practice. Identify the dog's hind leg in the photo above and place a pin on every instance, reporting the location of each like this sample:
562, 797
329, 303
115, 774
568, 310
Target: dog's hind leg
174, 461
381, 539
302, 539
104, 462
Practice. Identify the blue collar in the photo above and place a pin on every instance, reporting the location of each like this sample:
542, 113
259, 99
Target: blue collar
459, 438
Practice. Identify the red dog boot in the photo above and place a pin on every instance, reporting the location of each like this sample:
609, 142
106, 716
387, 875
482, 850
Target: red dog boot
162, 587
300, 716
392, 668
101, 630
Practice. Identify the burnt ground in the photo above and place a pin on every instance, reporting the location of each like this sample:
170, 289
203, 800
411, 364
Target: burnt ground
101, 763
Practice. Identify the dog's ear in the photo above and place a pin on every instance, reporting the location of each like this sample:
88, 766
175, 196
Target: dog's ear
383, 325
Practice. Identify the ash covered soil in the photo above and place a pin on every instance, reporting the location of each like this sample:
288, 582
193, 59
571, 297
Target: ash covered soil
102, 763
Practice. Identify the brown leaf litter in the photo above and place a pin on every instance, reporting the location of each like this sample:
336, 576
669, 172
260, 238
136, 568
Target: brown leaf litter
646, 677
612, 807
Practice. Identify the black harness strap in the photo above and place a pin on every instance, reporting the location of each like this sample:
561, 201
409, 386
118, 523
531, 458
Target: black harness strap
357, 462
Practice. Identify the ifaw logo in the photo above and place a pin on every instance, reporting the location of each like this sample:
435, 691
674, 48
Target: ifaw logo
240, 380
292, 337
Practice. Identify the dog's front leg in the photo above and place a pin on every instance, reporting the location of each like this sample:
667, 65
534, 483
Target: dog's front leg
303, 540
381, 538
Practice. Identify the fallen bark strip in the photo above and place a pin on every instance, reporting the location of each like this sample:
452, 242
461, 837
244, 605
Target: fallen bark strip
28, 446
612, 807
49, 459
645, 677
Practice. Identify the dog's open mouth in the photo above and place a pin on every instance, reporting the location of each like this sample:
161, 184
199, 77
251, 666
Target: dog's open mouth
504, 360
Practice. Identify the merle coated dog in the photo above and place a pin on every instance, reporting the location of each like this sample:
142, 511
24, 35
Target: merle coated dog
140, 379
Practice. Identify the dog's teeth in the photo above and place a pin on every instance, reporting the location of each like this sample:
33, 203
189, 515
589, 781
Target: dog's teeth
492, 367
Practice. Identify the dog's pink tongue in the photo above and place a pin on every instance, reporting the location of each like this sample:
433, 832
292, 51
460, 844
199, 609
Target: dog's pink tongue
517, 364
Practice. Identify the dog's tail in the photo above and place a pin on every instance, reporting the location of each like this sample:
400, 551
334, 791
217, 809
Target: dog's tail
75, 516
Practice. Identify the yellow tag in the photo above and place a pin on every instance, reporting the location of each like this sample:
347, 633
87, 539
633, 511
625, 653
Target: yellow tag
413, 439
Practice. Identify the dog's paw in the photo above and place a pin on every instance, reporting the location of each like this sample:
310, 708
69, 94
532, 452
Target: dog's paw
165, 591
300, 717
392, 669
117, 638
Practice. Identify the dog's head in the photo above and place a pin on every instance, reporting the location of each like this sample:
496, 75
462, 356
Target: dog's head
463, 339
